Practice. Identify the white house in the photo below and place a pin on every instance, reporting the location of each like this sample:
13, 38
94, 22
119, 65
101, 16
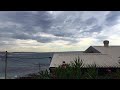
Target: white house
103, 56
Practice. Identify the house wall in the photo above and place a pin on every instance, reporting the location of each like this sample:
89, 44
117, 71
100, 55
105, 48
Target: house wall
101, 71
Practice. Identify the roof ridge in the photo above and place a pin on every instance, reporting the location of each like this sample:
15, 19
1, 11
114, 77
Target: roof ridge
109, 46
82, 53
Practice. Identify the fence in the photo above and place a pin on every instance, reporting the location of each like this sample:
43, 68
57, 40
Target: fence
19, 63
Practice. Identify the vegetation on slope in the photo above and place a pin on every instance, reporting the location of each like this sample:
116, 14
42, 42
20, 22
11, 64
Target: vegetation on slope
73, 70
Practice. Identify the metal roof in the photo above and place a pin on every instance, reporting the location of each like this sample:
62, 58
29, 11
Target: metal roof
113, 51
101, 60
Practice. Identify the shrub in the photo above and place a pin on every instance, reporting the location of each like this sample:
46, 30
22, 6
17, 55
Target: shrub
74, 70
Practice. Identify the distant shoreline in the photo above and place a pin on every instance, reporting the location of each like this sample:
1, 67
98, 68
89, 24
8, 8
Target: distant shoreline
42, 52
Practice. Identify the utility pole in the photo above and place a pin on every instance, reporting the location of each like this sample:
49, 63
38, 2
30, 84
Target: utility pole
39, 67
50, 59
6, 65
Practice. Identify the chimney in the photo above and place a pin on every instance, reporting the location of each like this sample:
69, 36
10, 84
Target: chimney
106, 43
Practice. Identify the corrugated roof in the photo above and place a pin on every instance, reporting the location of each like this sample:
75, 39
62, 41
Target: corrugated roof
101, 60
113, 51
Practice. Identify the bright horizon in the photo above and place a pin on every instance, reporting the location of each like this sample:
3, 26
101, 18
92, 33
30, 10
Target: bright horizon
57, 31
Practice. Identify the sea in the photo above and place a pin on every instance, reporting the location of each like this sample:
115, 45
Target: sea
23, 63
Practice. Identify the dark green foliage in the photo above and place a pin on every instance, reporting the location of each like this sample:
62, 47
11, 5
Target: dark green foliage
74, 70
91, 72
44, 75
40, 75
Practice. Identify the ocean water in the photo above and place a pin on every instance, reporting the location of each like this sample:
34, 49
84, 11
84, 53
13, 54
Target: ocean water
22, 63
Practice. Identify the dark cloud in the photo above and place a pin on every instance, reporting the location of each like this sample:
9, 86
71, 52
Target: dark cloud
44, 21
28, 20
91, 21
44, 39
96, 28
24, 36
21, 36
66, 26
63, 34
112, 17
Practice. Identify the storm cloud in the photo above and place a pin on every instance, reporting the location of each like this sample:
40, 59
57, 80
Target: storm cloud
112, 17
52, 26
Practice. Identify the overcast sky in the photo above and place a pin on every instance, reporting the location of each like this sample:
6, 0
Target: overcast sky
48, 31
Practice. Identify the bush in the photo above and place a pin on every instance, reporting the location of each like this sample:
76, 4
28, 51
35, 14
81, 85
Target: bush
74, 70
40, 75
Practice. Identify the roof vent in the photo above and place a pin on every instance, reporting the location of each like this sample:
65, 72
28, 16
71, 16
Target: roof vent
106, 43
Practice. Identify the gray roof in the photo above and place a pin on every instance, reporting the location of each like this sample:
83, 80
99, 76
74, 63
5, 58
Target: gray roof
113, 51
101, 60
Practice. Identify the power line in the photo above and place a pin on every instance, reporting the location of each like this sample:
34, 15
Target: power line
7, 57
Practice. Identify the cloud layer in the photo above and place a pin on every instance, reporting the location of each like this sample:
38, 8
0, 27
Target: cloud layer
57, 30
